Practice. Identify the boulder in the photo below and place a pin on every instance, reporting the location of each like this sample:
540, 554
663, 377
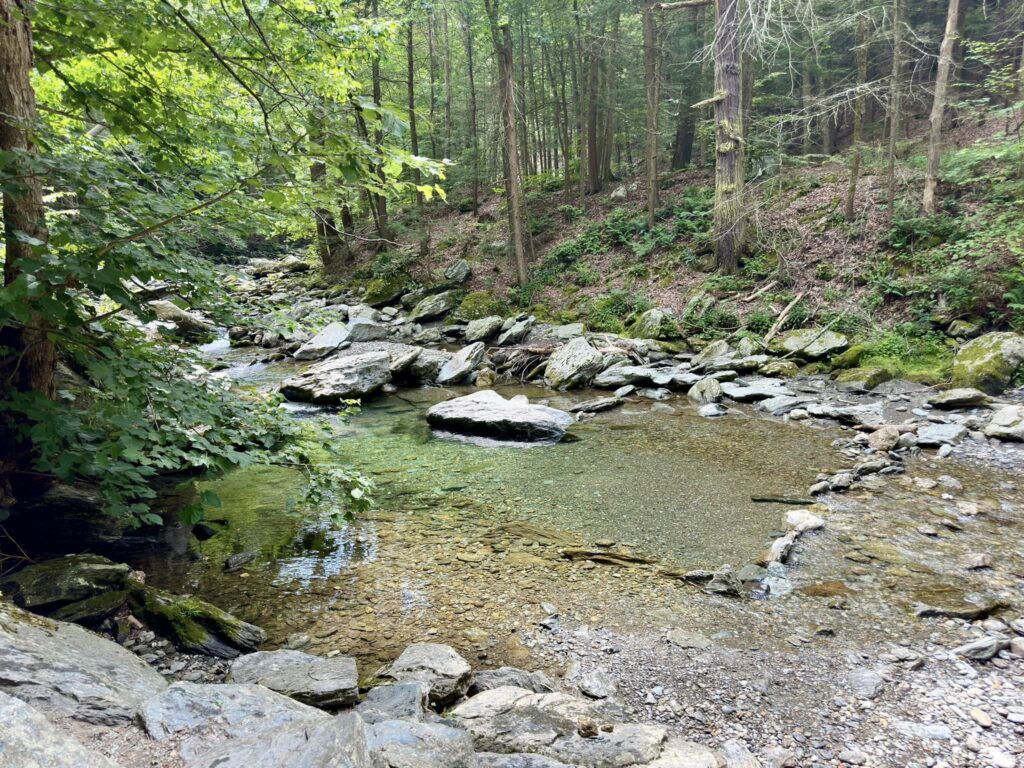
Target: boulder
427, 365
435, 306
960, 397
50, 584
323, 343
784, 369
488, 414
707, 390
568, 332
622, 375
810, 343
458, 272
716, 351
438, 666
573, 364
862, 379
385, 290
989, 362
338, 742
401, 744
186, 323
1007, 423
340, 378
195, 625
326, 683
935, 435
484, 328
400, 701
516, 331
885, 438
290, 263
367, 330
461, 364
514, 720
653, 324
363, 313
752, 391
28, 740
486, 679
63, 669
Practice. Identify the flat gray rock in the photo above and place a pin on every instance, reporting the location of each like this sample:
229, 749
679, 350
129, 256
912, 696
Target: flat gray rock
514, 720
961, 397
621, 375
62, 668
461, 364
486, 679
934, 435
326, 683
201, 715
435, 306
333, 742
483, 328
573, 364
325, 341
398, 701
488, 414
1007, 423
438, 666
495, 760
400, 744
516, 332
365, 330
755, 390
28, 740
340, 378
783, 404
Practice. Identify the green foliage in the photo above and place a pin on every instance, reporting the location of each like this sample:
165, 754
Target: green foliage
570, 213
612, 312
909, 351
477, 304
910, 232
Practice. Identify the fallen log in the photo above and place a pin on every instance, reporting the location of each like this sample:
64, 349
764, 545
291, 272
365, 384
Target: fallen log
618, 557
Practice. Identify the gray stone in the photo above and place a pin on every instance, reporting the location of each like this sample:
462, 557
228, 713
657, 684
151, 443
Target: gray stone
686, 639
705, 391
52, 583
64, 669
573, 364
324, 342
754, 390
458, 272
961, 397
737, 755
1007, 423
783, 404
363, 313
516, 332
438, 666
597, 405
495, 760
186, 323
488, 414
810, 343
598, 684
989, 362
399, 701
865, 683
427, 365
340, 378
650, 324
934, 435
513, 720
712, 410
483, 328
28, 740
365, 330
864, 413
461, 364
337, 742
400, 744
487, 679
724, 582
568, 332
716, 351
687, 754
982, 649
434, 306
622, 375
327, 683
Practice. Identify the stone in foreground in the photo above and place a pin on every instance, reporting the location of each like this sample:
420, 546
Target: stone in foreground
488, 414
63, 669
325, 341
1007, 423
327, 683
28, 740
512, 720
573, 364
340, 378
399, 744
438, 666
461, 364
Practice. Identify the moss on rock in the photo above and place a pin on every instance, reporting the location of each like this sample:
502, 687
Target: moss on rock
385, 290
989, 362
479, 304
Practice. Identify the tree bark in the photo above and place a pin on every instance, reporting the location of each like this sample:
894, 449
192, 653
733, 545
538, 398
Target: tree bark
729, 216
380, 201
30, 357
652, 90
414, 141
858, 111
895, 100
931, 180
474, 138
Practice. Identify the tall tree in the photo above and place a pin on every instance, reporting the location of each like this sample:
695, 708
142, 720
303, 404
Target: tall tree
931, 179
652, 84
895, 98
858, 109
729, 214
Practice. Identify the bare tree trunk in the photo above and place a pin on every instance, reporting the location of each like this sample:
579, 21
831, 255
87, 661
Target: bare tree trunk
414, 140
576, 63
895, 100
330, 246
380, 201
729, 216
858, 111
447, 85
30, 355
474, 138
931, 180
805, 100
652, 89
594, 181
608, 132
519, 230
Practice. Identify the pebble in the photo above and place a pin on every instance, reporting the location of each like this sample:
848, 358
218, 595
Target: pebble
981, 717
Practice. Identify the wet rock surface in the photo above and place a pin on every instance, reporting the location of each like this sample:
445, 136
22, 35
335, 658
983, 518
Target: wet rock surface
488, 414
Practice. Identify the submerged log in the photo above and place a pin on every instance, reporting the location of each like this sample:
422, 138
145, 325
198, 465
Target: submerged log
618, 557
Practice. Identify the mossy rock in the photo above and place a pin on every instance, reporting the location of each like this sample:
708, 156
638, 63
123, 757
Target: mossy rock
480, 304
785, 369
850, 358
54, 583
386, 290
863, 378
655, 323
810, 343
194, 625
989, 362
93, 610
814, 369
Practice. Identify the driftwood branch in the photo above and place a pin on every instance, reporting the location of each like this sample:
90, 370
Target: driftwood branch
783, 316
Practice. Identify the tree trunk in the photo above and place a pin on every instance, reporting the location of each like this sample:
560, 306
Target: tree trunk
931, 180
30, 356
805, 100
895, 100
474, 138
380, 201
729, 216
652, 89
858, 111
594, 181
519, 231
414, 141
329, 244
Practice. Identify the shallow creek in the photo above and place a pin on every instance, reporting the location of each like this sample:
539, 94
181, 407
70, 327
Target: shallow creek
463, 545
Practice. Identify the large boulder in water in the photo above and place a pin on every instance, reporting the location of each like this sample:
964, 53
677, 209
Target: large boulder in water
63, 669
989, 362
573, 364
53, 583
488, 414
340, 378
